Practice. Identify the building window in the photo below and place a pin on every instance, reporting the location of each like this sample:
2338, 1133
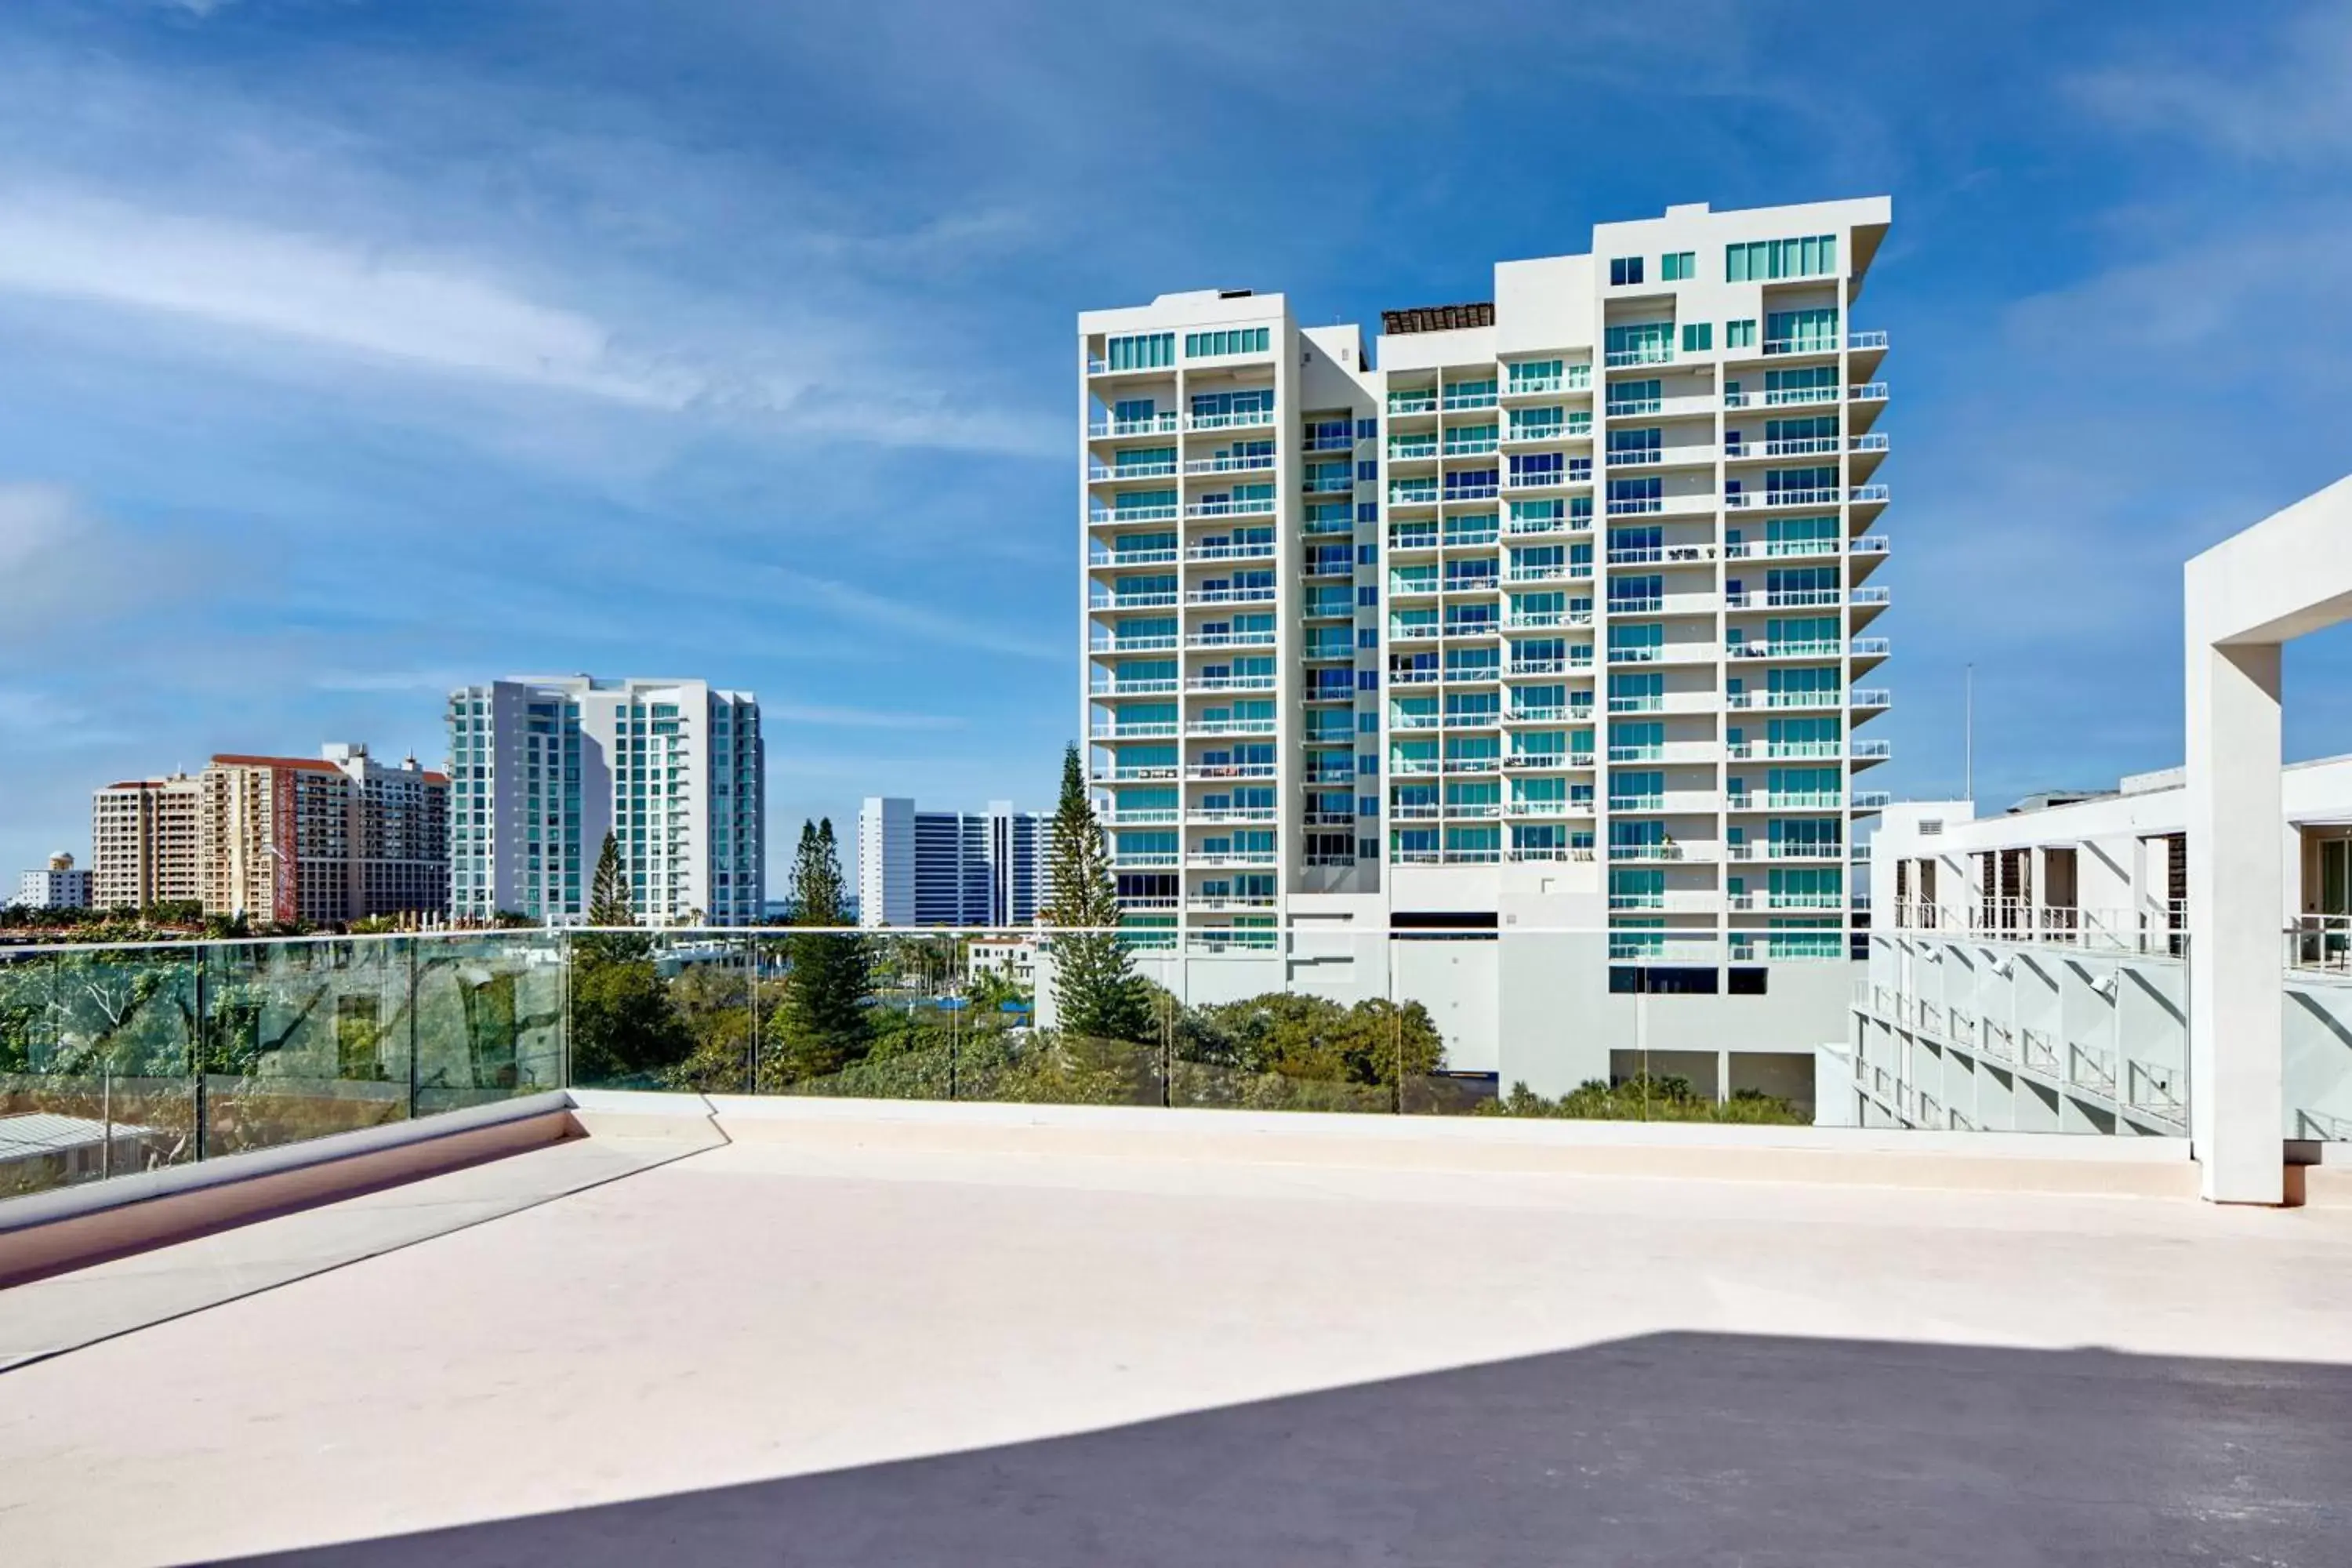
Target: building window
1739, 334
1768, 260
1142, 350
1678, 266
1624, 271
1698, 337
1211, 345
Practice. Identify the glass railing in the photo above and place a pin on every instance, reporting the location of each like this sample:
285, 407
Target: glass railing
122, 1060
115, 1059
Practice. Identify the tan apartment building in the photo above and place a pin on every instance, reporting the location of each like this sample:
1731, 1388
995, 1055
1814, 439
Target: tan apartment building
144, 842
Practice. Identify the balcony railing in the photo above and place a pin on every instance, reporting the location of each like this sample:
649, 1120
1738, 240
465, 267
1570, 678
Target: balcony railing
1245, 420
1876, 339
1229, 595
1101, 474
1149, 424
1254, 462
1869, 392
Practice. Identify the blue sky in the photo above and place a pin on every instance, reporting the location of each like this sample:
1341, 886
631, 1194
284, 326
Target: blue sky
349, 349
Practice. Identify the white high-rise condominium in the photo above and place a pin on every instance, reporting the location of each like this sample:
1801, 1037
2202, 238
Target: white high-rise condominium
949, 867
542, 766
1559, 611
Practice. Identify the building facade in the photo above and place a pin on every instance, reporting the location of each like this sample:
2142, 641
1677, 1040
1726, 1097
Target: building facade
2029, 970
545, 767
145, 842
60, 885
324, 840
1557, 616
949, 867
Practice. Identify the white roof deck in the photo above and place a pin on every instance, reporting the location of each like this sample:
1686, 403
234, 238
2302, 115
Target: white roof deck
864, 1347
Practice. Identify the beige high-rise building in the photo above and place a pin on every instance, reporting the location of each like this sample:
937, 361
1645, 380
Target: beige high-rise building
145, 837
323, 840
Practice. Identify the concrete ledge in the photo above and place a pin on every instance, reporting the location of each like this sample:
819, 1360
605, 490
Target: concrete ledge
1990, 1161
46, 1233
640, 1113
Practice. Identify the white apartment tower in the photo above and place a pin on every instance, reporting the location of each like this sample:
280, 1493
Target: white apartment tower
1559, 615
541, 767
1229, 596
949, 867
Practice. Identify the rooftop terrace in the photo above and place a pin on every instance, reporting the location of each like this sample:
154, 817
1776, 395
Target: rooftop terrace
847, 1332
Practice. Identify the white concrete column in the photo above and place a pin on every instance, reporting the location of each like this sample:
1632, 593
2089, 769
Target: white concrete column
2236, 888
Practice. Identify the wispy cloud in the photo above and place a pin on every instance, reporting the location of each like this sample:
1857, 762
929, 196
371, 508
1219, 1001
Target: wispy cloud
447, 316
857, 718
63, 565
409, 309
931, 621
2289, 103
392, 680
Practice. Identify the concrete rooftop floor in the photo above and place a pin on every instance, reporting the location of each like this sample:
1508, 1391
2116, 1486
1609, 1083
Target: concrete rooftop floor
776, 1352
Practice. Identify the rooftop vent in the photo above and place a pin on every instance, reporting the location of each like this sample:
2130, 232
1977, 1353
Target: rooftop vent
1232, 294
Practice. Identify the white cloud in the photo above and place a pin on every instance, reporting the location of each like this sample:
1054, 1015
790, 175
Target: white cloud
2290, 107
392, 680
931, 621
858, 718
59, 564
450, 317
396, 308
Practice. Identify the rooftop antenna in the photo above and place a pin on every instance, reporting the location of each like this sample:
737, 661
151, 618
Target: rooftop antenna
1969, 734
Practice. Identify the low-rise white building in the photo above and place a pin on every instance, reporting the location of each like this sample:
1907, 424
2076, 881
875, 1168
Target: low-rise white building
61, 885
1014, 960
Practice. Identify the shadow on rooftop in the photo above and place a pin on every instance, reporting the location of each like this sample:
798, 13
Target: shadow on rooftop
1683, 1450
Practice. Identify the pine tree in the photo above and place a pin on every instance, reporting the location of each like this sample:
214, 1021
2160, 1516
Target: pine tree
608, 895
823, 1026
1095, 989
